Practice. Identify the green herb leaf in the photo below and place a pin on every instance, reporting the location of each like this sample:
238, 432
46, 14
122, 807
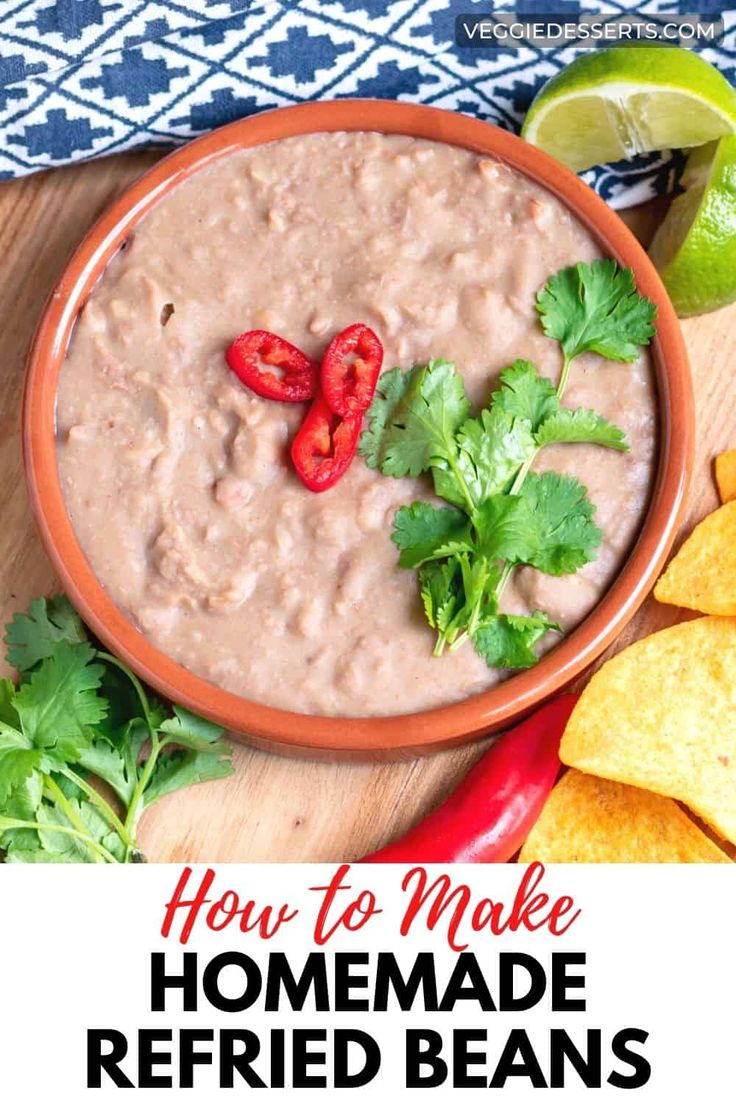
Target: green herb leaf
108, 763
19, 760
580, 426
32, 636
193, 732
441, 590
491, 449
22, 802
29, 851
114, 756
507, 640
506, 528
8, 714
413, 419
178, 769
389, 397
59, 703
596, 308
480, 578
457, 593
21, 855
25, 797
423, 532
67, 848
25, 845
523, 393
567, 537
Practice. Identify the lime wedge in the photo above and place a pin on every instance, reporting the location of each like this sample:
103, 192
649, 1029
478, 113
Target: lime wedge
695, 247
613, 104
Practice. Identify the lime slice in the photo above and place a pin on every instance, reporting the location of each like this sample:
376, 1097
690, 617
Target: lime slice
613, 104
695, 247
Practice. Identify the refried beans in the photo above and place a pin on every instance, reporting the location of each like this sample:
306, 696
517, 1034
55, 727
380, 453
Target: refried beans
177, 478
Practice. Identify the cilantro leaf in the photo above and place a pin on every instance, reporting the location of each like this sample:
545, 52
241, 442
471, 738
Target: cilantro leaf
21, 849
596, 308
19, 760
580, 426
456, 594
59, 703
441, 590
108, 763
8, 714
21, 801
200, 755
563, 515
189, 730
423, 532
178, 769
25, 798
480, 578
390, 394
99, 829
508, 640
506, 528
46, 844
449, 482
523, 393
491, 449
32, 636
123, 701
22, 805
413, 419
67, 848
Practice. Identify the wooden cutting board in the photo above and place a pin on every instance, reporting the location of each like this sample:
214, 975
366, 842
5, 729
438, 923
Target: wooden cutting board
273, 809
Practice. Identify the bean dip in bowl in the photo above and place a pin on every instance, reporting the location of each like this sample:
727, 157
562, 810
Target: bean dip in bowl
162, 485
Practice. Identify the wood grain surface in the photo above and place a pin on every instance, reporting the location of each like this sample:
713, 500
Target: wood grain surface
273, 809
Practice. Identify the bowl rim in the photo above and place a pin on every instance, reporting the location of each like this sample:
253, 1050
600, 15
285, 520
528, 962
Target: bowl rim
300, 733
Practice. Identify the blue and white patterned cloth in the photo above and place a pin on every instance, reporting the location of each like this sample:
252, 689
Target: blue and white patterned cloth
84, 78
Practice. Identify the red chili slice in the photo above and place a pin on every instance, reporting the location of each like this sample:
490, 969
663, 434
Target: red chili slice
297, 377
350, 370
324, 446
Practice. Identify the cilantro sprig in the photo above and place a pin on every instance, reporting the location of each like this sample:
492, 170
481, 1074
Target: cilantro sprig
501, 515
596, 308
79, 717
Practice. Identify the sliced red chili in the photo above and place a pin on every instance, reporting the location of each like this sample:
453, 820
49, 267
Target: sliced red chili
350, 370
254, 354
324, 446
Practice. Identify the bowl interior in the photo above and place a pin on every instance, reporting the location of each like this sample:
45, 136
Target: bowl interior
282, 729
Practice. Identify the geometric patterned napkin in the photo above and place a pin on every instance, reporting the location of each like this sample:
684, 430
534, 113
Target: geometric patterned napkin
84, 78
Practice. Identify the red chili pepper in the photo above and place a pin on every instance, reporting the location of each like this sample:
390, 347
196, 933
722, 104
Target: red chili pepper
490, 814
350, 370
297, 376
324, 446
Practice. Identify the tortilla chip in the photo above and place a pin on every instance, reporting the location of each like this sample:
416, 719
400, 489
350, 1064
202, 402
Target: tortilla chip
589, 819
702, 576
726, 475
661, 715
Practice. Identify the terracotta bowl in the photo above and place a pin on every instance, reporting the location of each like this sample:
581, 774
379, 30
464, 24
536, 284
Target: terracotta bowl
276, 728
